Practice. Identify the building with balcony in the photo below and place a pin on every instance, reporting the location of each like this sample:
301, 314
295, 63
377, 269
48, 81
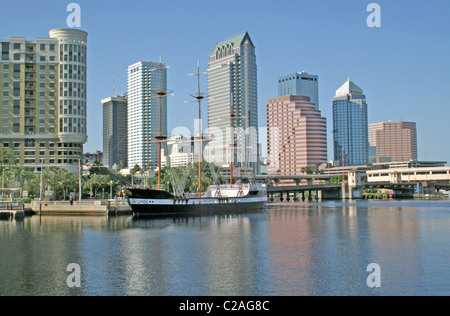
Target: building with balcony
44, 98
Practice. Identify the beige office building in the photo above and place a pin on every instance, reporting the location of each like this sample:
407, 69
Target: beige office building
394, 141
297, 135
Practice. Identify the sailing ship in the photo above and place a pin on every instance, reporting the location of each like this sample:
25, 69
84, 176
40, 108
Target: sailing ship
218, 199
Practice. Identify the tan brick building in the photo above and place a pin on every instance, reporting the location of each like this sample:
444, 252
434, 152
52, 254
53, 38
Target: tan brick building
394, 141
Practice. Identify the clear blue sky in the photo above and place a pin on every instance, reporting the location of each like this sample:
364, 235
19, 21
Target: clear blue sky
403, 66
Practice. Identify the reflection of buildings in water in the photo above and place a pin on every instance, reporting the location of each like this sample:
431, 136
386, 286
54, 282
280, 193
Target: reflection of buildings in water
143, 263
43, 246
231, 267
194, 256
328, 249
294, 233
35, 256
395, 234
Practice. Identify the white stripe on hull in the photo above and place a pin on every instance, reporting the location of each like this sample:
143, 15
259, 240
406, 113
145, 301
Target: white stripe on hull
196, 201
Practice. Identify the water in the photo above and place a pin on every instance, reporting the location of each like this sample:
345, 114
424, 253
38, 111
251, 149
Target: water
288, 249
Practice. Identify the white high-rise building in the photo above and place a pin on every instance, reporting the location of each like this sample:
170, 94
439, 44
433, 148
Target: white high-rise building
145, 80
232, 88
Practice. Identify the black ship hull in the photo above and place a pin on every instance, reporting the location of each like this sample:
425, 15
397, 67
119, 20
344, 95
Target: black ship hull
160, 203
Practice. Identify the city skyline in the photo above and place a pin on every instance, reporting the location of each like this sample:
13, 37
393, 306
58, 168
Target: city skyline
382, 64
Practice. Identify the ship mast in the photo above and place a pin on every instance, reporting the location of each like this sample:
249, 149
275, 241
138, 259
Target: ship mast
233, 146
199, 97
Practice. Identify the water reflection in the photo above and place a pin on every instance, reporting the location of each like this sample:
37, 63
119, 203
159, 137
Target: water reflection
289, 249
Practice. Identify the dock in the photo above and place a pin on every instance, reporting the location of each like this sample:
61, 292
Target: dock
96, 208
10, 210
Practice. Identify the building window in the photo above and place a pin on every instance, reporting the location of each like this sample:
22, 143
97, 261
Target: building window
30, 143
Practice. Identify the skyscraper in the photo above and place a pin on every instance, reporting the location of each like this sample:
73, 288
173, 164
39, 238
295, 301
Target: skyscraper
232, 91
297, 135
115, 131
350, 126
302, 84
145, 81
44, 98
394, 141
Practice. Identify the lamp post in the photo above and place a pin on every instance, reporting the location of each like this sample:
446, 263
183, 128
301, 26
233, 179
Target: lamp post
110, 192
42, 180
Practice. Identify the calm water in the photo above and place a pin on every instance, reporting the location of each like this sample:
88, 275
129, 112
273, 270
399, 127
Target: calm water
289, 249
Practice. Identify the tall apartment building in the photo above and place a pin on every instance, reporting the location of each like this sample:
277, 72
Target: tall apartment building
350, 126
232, 89
115, 135
302, 84
297, 135
394, 141
145, 80
44, 98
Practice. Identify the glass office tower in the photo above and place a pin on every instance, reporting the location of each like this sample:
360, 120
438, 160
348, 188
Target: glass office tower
302, 84
350, 126
115, 124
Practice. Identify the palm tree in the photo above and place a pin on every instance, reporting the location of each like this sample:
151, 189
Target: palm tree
99, 181
7, 158
52, 178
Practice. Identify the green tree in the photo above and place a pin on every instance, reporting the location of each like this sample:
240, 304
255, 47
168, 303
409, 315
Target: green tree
99, 182
7, 159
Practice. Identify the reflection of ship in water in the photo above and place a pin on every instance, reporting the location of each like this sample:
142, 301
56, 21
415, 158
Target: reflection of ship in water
218, 198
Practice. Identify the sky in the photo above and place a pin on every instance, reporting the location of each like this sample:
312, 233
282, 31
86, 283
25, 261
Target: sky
402, 66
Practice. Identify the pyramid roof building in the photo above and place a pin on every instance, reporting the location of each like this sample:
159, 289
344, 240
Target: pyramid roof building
349, 88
